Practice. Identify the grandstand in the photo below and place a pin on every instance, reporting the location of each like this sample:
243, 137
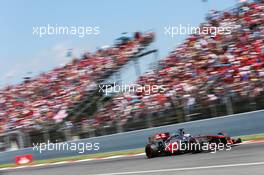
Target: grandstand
206, 76
42, 103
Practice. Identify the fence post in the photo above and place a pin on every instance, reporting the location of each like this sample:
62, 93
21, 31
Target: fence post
227, 101
229, 106
118, 124
149, 120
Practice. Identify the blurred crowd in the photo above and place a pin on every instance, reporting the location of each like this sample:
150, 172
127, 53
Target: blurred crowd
202, 71
47, 97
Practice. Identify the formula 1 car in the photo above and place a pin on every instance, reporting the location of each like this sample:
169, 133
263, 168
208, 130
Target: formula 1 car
163, 144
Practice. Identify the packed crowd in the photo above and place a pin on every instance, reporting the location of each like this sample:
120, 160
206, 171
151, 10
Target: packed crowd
202, 70
47, 97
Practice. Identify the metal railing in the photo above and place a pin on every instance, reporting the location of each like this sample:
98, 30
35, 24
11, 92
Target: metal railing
146, 119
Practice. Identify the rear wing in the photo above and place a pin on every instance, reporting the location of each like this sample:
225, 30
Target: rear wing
159, 136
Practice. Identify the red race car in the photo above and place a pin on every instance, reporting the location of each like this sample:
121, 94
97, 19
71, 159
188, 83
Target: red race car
171, 144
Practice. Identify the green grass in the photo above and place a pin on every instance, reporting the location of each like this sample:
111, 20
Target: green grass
82, 157
116, 153
7, 165
252, 137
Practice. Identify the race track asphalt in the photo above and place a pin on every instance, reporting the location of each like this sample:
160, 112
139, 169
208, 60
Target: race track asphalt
241, 160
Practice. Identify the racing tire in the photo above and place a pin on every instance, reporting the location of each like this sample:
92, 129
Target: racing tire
151, 151
238, 140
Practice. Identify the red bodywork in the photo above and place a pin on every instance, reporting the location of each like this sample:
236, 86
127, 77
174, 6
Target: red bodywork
162, 136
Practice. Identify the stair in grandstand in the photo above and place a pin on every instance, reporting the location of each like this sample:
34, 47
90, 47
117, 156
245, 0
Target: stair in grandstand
94, 100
